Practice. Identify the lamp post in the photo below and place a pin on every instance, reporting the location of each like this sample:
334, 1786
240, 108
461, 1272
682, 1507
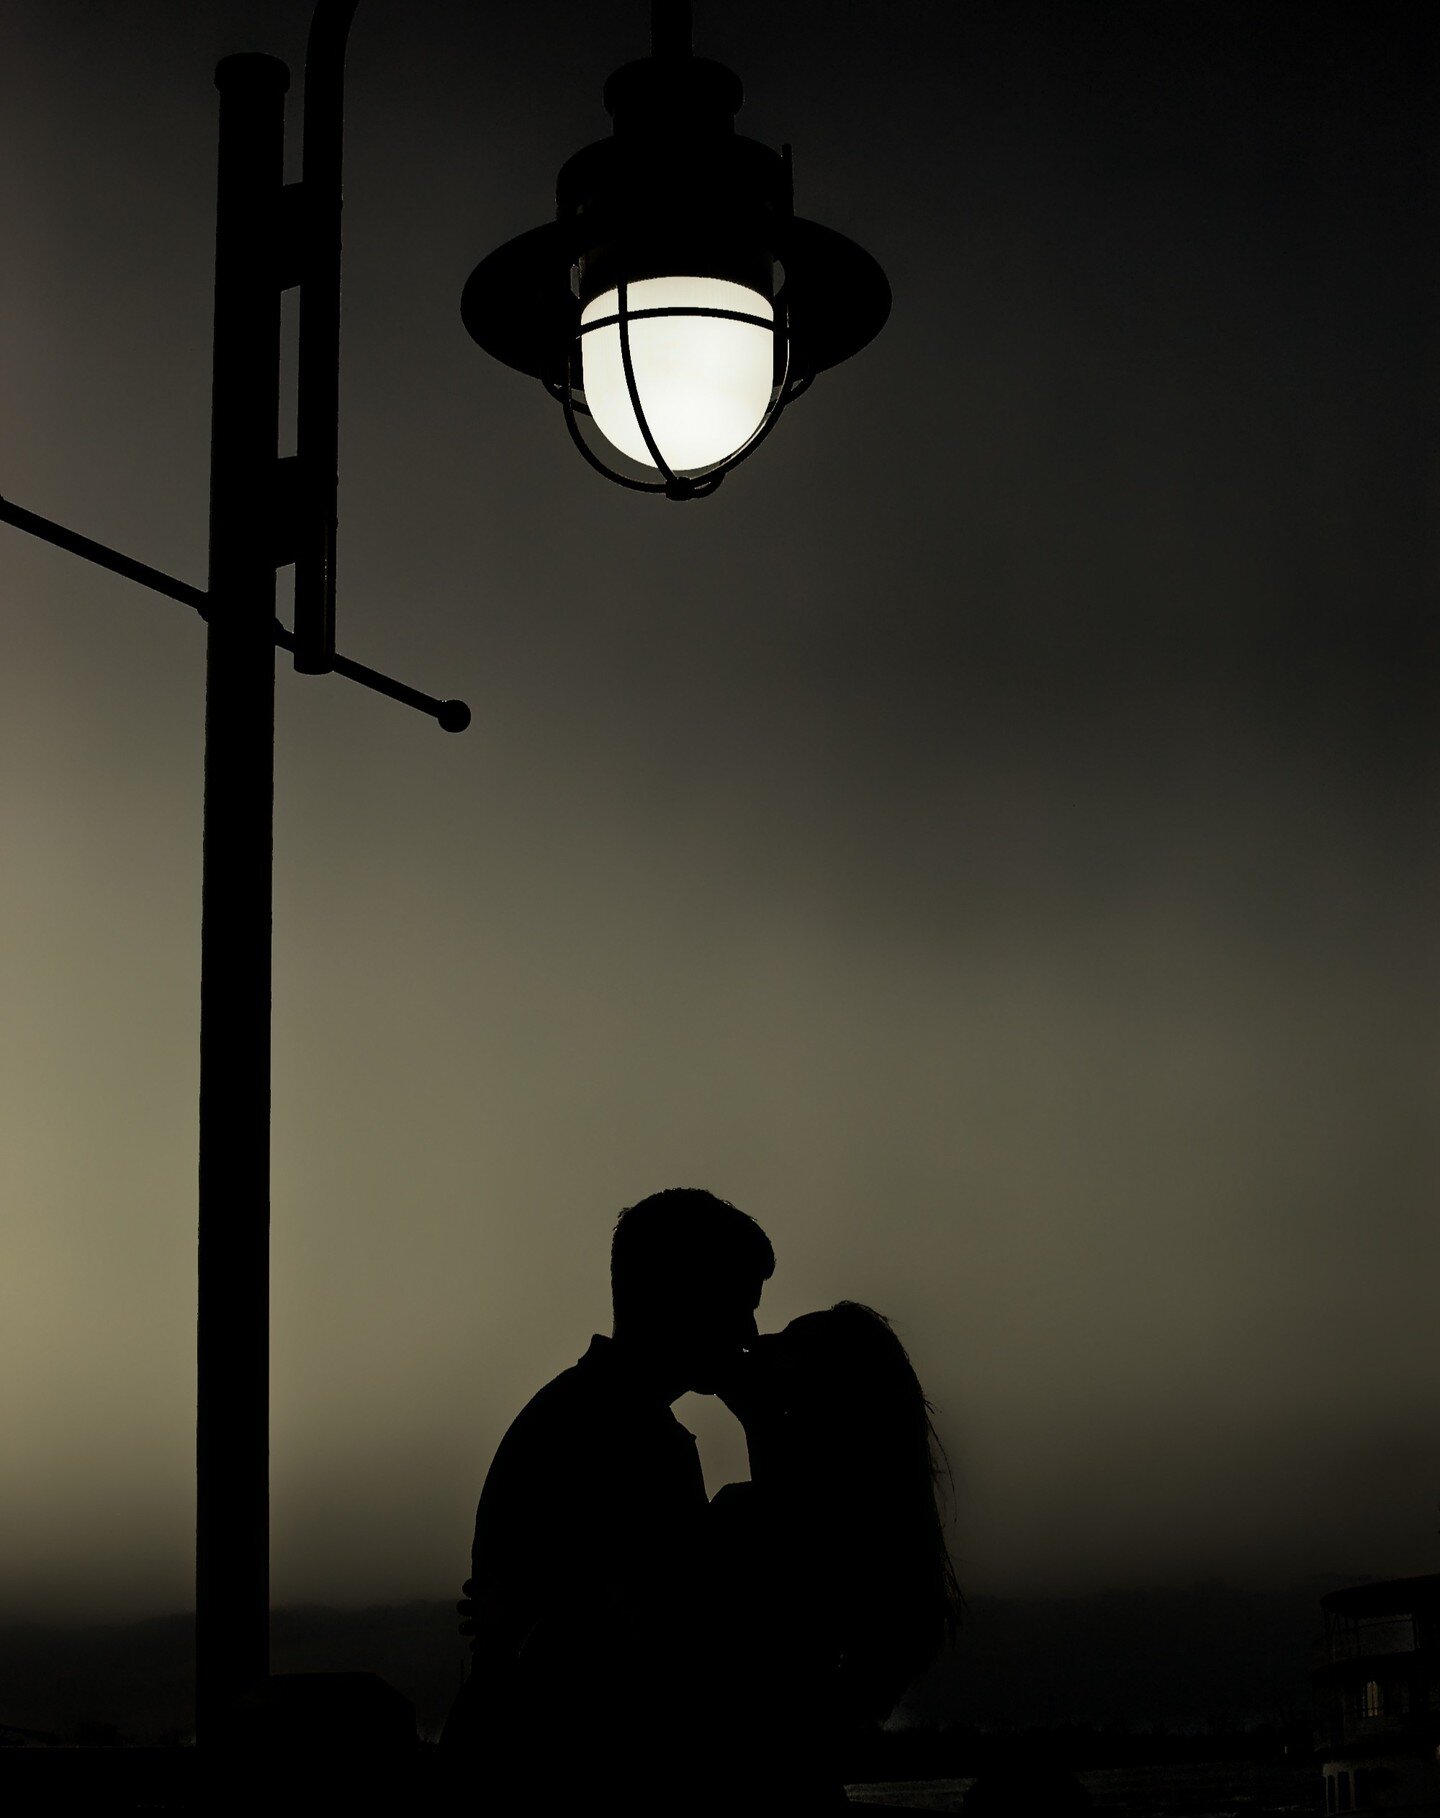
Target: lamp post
676, 306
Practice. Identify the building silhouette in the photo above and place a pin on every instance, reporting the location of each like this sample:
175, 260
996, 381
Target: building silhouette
1376, 1681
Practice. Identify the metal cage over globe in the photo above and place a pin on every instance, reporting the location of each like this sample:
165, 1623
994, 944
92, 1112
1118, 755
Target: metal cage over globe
676, 304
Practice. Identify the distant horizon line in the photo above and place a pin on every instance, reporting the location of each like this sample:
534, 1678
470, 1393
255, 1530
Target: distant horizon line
1311, 1584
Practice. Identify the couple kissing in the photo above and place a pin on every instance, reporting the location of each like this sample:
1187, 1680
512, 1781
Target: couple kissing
639, 1646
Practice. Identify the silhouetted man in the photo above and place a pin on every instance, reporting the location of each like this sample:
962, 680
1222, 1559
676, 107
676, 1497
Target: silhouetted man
588, 1678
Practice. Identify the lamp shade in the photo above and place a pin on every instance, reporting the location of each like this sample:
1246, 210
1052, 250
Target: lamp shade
702, 360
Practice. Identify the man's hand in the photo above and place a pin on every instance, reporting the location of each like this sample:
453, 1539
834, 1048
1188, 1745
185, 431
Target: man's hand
755, 1393
742, 1389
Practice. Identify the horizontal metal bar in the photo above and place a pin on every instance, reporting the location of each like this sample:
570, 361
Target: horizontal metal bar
103, 556
452, 716
678, 309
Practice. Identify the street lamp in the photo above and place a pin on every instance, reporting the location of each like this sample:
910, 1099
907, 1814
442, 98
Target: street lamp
677, 305
677, 302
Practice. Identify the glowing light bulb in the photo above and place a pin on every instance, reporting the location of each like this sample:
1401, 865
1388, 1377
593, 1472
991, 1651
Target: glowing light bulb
704, 381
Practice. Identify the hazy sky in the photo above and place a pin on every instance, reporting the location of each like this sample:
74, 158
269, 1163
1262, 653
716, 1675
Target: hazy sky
992, 841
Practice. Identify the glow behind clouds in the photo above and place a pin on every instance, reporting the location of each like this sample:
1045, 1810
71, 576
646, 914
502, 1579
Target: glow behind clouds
990, 840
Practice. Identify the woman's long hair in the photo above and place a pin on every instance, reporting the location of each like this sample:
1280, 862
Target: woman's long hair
857, 1403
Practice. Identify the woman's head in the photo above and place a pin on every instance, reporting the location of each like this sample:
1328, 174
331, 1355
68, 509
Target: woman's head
855, 1429
844, 1374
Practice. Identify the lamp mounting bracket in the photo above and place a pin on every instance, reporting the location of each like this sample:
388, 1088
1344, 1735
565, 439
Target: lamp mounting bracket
288, 517
292, 232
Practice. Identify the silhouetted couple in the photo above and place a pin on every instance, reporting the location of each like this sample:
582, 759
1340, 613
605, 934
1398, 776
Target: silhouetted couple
638, 1647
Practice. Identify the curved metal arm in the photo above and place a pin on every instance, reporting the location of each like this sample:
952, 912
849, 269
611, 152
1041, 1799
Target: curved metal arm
317, 432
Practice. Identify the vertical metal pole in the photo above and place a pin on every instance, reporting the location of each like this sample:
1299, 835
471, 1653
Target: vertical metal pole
317, 423
670, 34
232, 1562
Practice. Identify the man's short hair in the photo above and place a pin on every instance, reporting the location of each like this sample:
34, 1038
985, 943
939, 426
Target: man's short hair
682, 1235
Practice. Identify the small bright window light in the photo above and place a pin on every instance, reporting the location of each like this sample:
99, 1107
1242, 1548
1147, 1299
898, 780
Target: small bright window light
705, 382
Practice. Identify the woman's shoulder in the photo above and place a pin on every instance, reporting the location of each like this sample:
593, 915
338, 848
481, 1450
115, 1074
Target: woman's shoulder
736, 1526
733, 1498
762, 1508
746, 1508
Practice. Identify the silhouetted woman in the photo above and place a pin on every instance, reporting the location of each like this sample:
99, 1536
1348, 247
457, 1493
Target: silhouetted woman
834, 1588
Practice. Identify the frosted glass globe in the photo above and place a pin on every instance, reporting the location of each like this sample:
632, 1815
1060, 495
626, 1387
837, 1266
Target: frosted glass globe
704, 381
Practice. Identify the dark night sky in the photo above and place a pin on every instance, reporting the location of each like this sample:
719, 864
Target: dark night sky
991, 841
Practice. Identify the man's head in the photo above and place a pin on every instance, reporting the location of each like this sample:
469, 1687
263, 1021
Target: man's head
686, 1270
